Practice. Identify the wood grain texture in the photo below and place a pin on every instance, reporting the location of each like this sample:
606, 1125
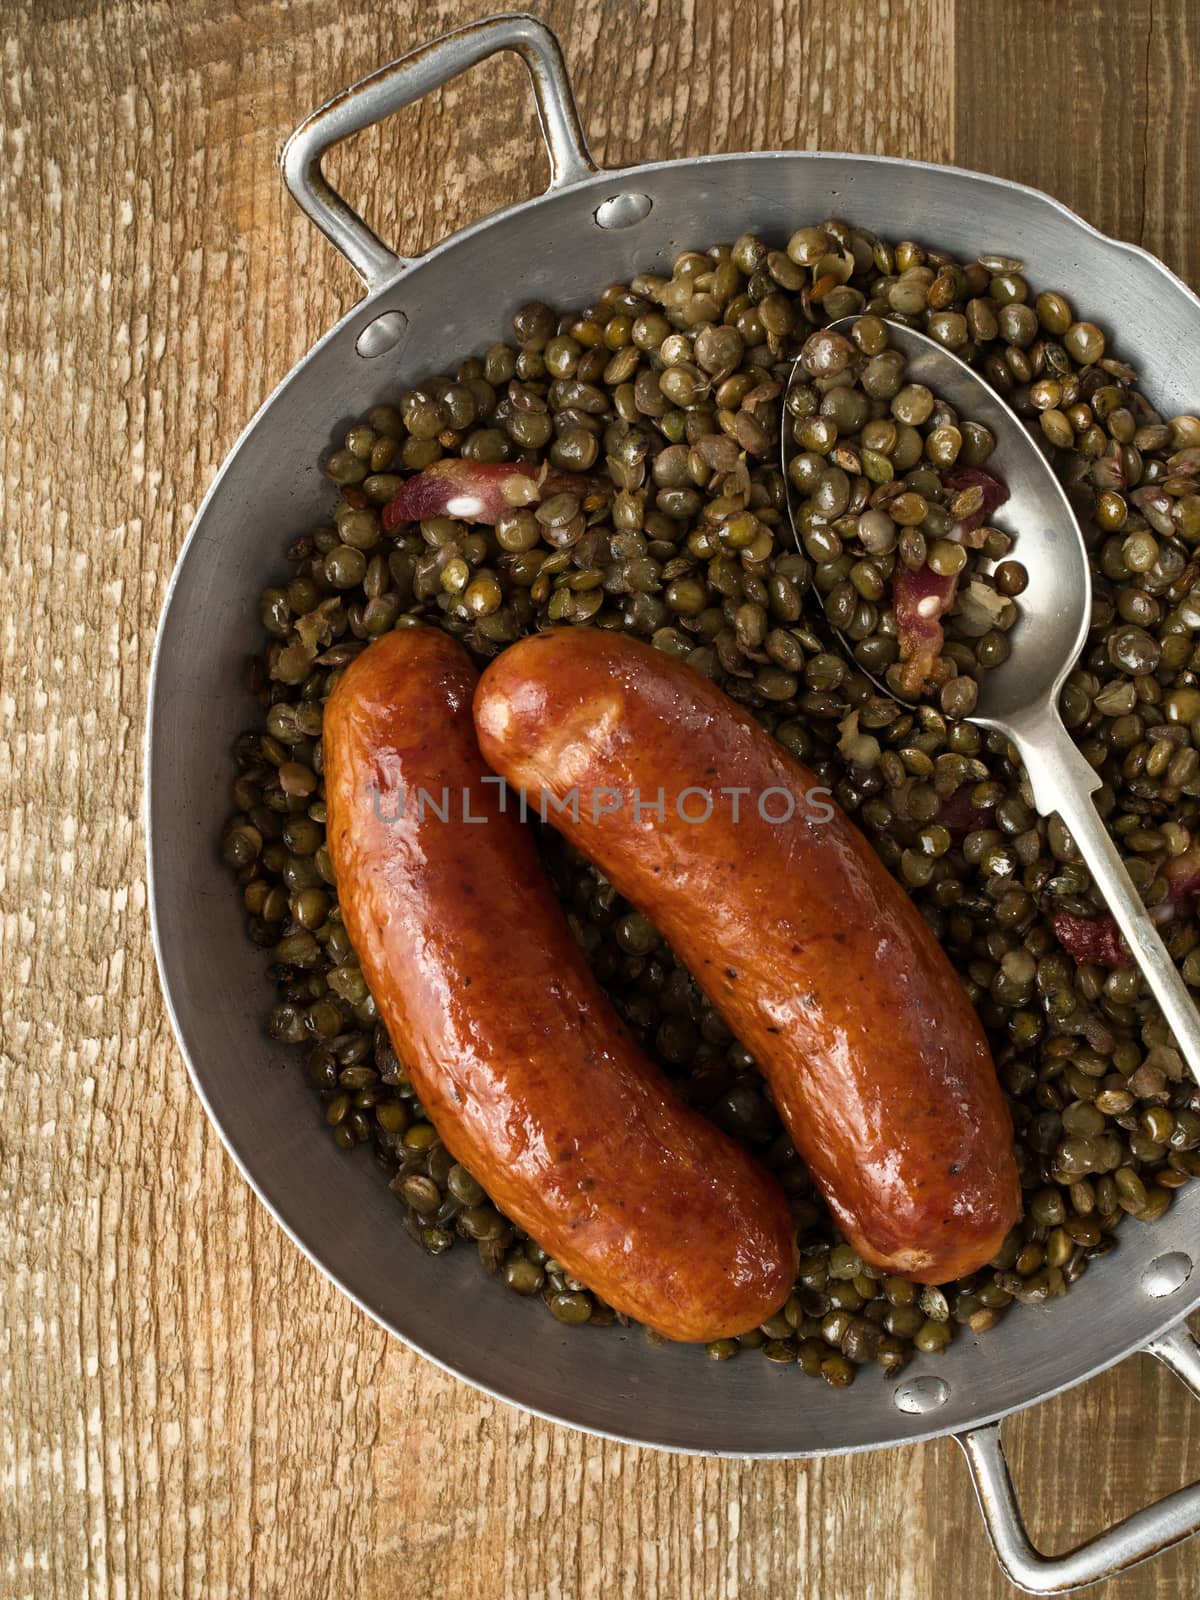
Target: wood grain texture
186, 1407
1097, 106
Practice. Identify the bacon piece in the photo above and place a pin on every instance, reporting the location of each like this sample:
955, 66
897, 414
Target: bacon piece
1095, 940
1098, 939
960, 815
995, 493
920, 600
481, 491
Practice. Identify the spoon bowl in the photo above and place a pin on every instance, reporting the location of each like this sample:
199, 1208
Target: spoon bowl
1056, 606
1019, 698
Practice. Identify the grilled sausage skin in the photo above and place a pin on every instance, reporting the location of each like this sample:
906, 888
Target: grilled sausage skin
527, 1073
815, 957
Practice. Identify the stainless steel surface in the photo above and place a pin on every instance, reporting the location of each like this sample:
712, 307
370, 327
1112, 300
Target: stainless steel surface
1020, 697
336, 1208
409, 79
1146, 1533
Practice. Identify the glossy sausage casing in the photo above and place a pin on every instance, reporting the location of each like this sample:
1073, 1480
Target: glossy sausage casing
811, 952
524, 1068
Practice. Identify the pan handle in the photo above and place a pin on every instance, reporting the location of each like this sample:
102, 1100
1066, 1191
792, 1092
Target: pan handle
406, 80
1146, 1533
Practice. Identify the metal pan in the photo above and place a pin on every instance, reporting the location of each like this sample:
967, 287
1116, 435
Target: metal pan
591, 227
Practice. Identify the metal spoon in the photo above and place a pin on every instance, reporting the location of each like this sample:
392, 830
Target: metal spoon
1019, 698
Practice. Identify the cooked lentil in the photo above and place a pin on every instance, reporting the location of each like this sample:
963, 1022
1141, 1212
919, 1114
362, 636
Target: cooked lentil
673, 386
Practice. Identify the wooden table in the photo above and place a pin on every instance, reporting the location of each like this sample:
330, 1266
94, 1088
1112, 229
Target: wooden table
187, 1408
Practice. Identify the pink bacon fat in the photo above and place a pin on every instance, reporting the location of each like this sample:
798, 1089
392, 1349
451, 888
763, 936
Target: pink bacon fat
481, 491
1092, 941
921, 599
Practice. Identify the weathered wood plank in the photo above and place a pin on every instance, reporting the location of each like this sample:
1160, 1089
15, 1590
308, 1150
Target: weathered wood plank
185, 1406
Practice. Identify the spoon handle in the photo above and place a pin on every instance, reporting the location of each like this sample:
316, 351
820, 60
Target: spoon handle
1063, 781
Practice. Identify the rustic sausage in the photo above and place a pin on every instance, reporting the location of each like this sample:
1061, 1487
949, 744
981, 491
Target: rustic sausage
525, 1070
815, 957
